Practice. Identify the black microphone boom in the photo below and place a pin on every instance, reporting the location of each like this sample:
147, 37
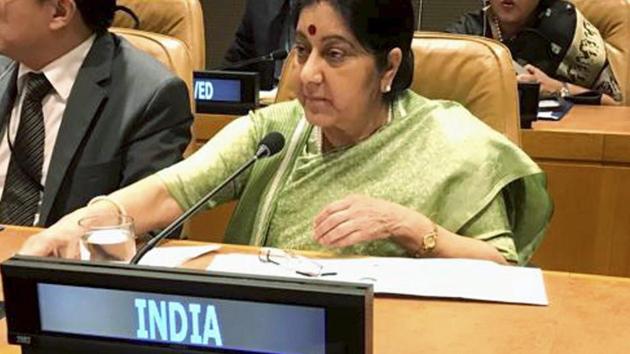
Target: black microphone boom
270, 145
279, 54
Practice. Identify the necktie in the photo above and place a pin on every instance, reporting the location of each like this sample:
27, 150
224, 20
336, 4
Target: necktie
22, 187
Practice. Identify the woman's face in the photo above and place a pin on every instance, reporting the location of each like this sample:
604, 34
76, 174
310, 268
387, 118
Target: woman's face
514, 12
340, 87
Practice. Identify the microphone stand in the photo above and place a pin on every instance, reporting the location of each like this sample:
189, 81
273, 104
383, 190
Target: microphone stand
180, 220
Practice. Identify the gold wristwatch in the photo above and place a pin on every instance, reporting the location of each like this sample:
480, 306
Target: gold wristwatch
564, 90
429, 243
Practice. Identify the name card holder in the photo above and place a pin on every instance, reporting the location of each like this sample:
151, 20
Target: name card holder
225, 92
71, 307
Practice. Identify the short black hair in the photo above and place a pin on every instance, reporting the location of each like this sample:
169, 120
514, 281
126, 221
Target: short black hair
98, 15
379, 26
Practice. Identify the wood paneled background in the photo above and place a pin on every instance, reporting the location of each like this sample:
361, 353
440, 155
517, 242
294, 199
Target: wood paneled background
222, 18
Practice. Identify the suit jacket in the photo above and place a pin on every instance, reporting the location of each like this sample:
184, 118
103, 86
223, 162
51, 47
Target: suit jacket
4, 62
259, 34
127, 117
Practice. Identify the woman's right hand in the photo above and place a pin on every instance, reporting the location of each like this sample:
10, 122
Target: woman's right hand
63, 238
60, 240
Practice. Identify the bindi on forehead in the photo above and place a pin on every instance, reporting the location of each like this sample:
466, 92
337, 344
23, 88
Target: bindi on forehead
312, 30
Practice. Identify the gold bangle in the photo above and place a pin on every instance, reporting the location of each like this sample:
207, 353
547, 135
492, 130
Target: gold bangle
121, 209
429, 243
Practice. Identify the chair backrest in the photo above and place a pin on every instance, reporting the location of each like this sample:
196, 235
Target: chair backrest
473, 71
168, 50
181, 19
612, 19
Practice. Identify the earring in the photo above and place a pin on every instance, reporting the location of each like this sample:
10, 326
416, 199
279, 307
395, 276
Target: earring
387, 89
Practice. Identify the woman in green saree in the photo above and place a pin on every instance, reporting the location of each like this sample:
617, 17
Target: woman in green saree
369, 167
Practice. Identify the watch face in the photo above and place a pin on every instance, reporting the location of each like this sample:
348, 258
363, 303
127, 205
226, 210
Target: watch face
430, 241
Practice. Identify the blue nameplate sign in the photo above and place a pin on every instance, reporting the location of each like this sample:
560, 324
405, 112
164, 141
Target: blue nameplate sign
195, 321
72, 307
225, 92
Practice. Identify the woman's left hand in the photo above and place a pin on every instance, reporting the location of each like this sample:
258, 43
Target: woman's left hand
548, 85
359, 218
356, 219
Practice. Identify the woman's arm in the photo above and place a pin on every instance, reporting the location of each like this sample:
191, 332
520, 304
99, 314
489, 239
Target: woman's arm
147, 201
358, 218
150, 202
412, 227
551, 86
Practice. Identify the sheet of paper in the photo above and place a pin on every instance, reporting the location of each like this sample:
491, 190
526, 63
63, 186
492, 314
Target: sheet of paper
450, 278
267, 97
175, 256
549, 115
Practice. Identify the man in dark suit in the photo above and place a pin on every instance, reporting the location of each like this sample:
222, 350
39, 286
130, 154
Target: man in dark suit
266, 26
110, 114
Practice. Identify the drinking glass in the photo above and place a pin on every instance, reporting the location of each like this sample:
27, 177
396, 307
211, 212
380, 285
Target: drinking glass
108, 237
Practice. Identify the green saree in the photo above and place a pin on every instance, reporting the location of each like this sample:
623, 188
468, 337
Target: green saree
433, 157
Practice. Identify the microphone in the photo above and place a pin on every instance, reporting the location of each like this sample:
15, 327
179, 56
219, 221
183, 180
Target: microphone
270, 145
279, 54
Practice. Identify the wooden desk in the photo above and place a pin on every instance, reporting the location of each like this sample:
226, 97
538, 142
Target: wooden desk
586, 156
588, 314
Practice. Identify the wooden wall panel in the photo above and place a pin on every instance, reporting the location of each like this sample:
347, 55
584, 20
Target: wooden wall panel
563, 145
571, 241
221, 19
587, 159
590, 228
438, 14
619, 218
209, 225
617, 148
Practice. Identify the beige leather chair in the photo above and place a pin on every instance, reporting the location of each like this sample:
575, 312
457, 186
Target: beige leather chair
170, 51
612, 19
173, 32
181, 19
473, 71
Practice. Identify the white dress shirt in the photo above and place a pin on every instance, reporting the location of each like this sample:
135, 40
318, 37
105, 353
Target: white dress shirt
61, 74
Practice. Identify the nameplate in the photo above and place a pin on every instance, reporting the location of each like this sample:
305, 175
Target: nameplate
225, 92
52, 305
187, 320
